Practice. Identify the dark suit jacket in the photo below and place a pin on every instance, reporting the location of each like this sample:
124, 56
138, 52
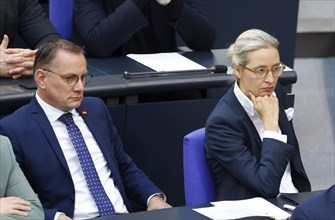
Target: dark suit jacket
42, 161
27, 18
320, 207
242, 165
119, 27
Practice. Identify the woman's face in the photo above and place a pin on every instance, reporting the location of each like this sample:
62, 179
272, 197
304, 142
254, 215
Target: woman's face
265, 58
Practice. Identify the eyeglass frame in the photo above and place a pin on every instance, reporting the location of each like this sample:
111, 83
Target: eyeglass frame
82, 78
267, 70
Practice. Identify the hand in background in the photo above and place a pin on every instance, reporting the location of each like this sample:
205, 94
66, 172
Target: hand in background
15, 62
14, 206
163, 2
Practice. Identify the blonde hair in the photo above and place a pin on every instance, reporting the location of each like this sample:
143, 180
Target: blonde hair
250, 40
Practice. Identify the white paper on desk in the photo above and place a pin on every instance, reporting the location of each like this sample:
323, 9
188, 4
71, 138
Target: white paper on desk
166, 61
243, 208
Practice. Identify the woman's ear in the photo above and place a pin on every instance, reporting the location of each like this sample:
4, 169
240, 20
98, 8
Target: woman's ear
40, 78
238, 71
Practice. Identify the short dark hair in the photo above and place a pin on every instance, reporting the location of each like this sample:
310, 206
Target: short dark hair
46, 54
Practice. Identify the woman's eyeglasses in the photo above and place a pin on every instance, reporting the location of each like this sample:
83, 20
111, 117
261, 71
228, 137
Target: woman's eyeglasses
261, 72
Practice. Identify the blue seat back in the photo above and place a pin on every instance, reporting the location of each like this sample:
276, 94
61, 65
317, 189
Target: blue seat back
198, 182
60, 14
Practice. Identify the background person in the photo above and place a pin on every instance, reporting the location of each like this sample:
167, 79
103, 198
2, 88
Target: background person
26, 18
109, 27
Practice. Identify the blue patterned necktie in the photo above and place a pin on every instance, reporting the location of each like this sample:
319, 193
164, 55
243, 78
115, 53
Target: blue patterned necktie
98, 193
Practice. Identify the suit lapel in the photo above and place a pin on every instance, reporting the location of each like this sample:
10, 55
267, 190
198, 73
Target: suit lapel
98, 134
41, 119
285, 126
95, 128
239, 110
100, 137
287, 129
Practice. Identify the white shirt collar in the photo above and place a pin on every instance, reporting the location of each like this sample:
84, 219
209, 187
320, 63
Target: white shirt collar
52, 113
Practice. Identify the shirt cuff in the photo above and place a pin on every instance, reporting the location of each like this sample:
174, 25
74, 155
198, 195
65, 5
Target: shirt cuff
157, 194
57, 215
275, 135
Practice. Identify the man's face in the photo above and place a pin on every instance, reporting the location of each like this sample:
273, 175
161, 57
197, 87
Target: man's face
54, 88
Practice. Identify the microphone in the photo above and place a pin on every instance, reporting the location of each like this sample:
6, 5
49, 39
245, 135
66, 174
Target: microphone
218, 69
213, 69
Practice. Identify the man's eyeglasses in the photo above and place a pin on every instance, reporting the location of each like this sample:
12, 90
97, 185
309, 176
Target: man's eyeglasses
261, 72
72, 80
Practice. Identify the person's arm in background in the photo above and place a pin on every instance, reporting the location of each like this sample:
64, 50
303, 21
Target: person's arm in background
17, 198
191, 23
34, 27
102, 32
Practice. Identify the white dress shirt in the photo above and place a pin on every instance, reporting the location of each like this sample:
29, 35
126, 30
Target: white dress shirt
85, 206
286, 184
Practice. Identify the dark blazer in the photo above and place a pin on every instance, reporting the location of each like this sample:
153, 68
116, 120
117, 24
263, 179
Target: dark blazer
119, 27
42, 161
241, 164
27, 18
320, 207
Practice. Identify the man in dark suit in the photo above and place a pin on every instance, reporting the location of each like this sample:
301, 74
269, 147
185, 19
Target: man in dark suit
251, 145
119, 27
27, 19
46, 147
320, 207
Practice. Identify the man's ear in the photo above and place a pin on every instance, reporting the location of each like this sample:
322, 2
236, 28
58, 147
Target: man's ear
40, 78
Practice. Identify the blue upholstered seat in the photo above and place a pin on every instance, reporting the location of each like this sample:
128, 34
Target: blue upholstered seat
198, 183
60, 14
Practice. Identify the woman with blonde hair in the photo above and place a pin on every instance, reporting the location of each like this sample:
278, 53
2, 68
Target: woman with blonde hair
251, 146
